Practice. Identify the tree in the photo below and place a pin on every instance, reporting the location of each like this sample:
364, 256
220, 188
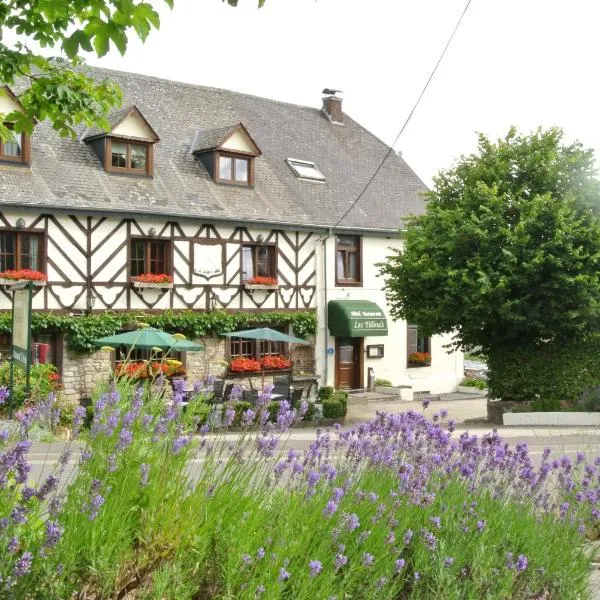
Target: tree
507, 253
58, 88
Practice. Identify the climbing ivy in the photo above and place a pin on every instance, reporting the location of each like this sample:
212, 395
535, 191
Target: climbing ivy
81, 331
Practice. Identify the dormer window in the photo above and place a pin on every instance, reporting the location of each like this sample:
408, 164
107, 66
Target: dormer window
228, 154
12, 149
128, 147
305, 169
233, 169
127, 156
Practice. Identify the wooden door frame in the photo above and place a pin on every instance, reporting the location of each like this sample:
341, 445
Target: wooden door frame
361, 361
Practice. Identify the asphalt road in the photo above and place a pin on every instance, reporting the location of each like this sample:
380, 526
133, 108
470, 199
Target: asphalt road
561, 441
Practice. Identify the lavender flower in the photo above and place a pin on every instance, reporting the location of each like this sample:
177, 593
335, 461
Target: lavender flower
283, 574
340, 561
315, 567
352, 522
179, 443
23, 565
522, 563
229, 416
399, 564
448, 561
95, 505
368, 559
144, 472
53, 533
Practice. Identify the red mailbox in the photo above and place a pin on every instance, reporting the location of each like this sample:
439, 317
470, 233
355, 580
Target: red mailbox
41, 353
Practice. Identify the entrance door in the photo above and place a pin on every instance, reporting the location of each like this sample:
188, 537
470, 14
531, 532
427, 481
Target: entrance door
348, 363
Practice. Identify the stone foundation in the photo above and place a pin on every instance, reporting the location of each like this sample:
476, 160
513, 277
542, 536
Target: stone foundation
82, 373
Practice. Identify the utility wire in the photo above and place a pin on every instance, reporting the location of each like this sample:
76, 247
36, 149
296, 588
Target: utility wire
391, 149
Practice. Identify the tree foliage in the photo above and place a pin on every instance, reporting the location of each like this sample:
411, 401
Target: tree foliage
58, 87
508, 251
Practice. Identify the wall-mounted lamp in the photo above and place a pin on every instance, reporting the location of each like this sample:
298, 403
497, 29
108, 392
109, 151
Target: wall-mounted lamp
90, 300
20, 223
212, 301
259, 238
152, 231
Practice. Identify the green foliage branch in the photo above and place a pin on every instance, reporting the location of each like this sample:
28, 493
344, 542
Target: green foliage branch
508, 251
81, 331
59, 88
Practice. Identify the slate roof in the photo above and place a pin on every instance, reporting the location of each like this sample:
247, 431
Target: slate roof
66, 173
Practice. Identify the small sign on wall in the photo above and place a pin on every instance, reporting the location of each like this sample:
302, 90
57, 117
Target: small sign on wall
208, 260
375, 351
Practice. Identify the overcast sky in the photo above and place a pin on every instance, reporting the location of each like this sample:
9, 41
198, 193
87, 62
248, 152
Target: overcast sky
521, 62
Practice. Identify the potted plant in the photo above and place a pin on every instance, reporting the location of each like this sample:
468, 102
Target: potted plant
261, 283
11, 276
419, 359
153, 280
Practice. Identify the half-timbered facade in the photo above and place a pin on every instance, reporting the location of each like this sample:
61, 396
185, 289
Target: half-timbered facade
202, 199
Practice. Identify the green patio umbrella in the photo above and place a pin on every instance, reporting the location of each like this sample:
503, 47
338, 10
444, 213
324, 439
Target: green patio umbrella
266, 334
147, 338
187, 346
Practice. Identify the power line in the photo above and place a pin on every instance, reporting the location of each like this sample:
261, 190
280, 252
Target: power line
391, 149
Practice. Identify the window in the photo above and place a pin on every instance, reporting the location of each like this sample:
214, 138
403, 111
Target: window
257, 349
150, 256
233, 169
258, 261
20, 250
418, 348
347, 260
304, 169
128, 157
13, 150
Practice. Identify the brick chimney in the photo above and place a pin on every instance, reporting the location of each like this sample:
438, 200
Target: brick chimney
332, 106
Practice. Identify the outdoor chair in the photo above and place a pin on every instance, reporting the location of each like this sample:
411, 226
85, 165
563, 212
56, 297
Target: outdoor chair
217, 394
227, 392
251, 396
283, 389
297, 396
281, 379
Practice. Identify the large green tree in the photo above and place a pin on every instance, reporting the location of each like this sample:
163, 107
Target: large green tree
58, 87
508, 251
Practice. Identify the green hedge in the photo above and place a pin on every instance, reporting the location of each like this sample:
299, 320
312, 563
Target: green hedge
81, 331
333, 409
547, 374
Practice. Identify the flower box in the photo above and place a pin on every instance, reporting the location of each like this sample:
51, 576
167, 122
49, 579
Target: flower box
259, 286
20, 276
140, 285
261, 283
153, 280
36, 283
419, 359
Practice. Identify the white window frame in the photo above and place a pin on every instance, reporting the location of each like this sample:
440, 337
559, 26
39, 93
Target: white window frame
308, 163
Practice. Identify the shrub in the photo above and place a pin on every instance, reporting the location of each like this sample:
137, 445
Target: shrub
333, 409
239, 407
560, 372
383, 383
43, 379
342, 397
273, 408
480, 384
325, 392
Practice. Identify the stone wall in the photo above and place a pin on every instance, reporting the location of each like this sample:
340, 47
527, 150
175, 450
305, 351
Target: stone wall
82, 373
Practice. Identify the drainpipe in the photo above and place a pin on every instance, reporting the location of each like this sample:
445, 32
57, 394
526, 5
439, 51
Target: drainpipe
324, 247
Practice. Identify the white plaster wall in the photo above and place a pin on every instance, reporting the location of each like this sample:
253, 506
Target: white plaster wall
446, 370
7, 104
133, 126
239, 142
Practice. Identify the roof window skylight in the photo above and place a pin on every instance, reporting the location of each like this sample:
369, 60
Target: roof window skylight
305, 169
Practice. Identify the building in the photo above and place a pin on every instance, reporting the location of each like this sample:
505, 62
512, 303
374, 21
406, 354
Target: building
235, 200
